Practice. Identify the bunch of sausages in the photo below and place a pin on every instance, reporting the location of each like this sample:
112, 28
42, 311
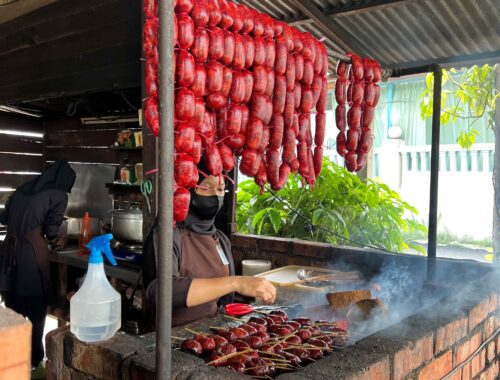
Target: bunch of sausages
269, 345
357, 94
246, 86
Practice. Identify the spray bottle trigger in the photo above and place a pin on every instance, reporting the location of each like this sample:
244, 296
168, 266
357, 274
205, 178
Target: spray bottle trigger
99, 245
109, 255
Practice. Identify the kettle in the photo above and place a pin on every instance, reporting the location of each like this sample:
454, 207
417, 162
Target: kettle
126, 225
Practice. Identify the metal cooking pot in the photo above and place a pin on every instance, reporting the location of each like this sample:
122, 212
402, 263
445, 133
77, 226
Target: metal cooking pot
127, 224
70, 228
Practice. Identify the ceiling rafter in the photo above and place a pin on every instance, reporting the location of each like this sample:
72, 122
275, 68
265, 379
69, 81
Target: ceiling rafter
347, 9
323, 23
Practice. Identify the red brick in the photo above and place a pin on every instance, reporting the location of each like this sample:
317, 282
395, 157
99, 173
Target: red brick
491, 352
54, 349
410, 358
438, 368
491, 373
379, 371
139, 373
467, 348
493, 302
18, 372
466, 370
15, 339
449, 334
56, 373
476, 365
489, 327
478, 314
456, 376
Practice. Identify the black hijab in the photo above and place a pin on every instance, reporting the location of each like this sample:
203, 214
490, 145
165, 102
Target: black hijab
201, 226
59, 176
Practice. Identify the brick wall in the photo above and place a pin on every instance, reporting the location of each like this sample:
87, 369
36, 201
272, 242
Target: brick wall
15, 346
428, 345
460, 347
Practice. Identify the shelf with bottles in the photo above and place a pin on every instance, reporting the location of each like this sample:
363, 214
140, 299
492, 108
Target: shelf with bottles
129, 139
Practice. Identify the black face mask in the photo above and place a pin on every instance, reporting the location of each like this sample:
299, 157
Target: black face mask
206, 207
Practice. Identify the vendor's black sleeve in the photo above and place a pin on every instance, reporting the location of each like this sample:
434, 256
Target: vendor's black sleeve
55, 215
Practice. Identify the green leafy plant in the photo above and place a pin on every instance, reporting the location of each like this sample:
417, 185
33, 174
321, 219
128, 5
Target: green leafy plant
475, 90
341, 206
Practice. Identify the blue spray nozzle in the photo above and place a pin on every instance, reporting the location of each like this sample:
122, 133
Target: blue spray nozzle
99, 245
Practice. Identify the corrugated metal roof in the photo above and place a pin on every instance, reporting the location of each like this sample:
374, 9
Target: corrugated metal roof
401, 33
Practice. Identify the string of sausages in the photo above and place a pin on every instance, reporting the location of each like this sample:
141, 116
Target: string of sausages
357, 94
246, 86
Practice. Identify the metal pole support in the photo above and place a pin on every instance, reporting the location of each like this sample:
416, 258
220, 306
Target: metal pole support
165, 190
433, 204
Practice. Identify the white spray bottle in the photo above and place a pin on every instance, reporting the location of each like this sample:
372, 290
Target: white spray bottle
95, 309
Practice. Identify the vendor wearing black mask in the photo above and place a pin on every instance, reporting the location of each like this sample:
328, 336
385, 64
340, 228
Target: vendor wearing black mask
202, 267
33, 215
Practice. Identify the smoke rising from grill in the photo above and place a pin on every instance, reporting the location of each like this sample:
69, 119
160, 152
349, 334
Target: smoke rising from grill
400, 289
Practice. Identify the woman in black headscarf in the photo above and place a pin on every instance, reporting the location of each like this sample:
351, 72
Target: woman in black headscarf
203, 276
33, 214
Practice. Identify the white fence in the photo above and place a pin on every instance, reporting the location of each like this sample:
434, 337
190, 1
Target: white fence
452, 158
465, 205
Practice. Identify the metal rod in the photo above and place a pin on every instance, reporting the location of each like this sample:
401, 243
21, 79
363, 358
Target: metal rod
340, 57
396, 73
386, 73
496, 177
433, 203
165, 189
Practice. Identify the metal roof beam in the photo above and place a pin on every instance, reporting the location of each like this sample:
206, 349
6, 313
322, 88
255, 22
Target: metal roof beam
12, 10
347, 9
464, 60
326, 25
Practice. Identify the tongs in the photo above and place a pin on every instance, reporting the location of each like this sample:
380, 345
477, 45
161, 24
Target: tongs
309, 277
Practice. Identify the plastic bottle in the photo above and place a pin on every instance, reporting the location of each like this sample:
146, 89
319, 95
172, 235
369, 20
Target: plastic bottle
85, 233
95, 309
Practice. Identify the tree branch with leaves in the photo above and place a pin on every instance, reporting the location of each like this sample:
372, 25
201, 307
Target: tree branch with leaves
474, 88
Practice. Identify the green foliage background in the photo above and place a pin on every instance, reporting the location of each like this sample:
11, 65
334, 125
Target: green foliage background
475, 89
340, 205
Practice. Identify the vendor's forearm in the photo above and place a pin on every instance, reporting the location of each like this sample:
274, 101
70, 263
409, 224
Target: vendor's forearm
204, 290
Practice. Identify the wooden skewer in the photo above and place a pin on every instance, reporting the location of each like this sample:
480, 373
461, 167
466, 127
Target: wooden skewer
229, 356
194, 332
232, 318
260, 366
178, 338
272, 354
277, 360
217, 328
283, 339
336, 333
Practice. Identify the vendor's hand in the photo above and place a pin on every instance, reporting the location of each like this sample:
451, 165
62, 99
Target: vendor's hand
256, 287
